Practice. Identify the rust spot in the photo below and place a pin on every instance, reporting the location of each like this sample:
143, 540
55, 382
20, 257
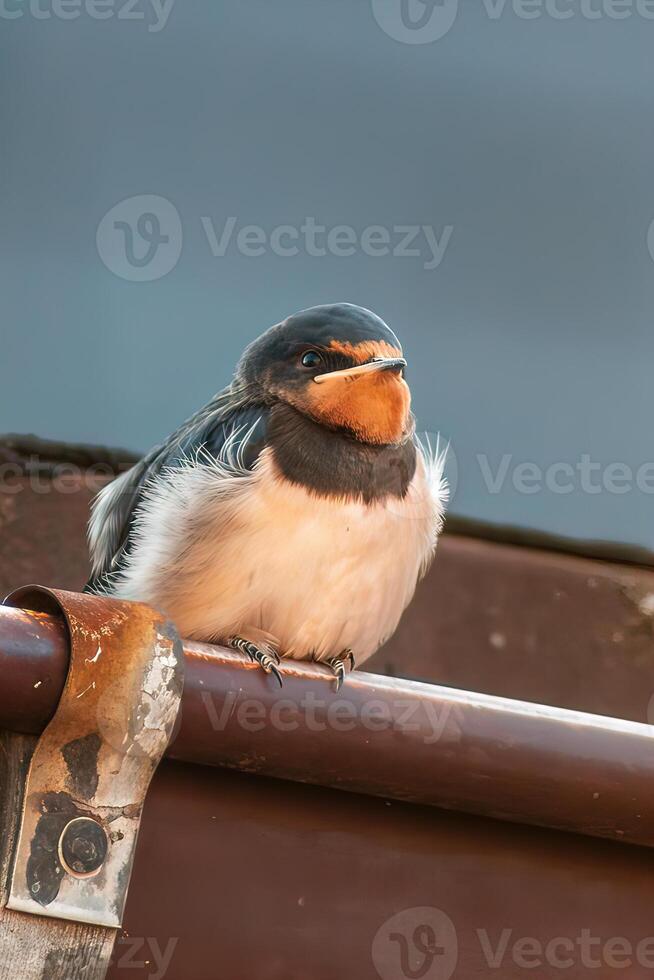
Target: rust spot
81, 758
40, 617
44, 870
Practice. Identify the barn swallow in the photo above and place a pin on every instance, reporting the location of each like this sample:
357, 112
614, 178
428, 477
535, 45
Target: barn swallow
294, 514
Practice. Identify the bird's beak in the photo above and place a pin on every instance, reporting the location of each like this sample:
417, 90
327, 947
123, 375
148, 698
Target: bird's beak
373, 366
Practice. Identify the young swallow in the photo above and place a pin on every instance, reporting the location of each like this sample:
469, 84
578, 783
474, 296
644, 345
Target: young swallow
294, 514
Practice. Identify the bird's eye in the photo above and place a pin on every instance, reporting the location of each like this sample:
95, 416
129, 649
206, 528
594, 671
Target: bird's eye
311, 359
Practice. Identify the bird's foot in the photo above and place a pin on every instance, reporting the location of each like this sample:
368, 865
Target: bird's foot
260, 652
337, 664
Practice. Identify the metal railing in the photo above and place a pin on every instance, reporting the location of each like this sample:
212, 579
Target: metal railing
389, 737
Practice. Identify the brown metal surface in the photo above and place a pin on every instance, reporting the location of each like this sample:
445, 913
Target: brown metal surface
421, 743
239, 877
418, 742
43, 529
93, 764
531, 625
33, 667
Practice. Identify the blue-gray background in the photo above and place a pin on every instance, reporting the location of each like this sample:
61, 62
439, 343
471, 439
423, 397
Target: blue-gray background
532, 138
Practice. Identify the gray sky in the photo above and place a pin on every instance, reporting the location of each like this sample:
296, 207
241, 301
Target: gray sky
523, 146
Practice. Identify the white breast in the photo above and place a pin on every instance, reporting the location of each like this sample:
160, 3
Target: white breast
221, 549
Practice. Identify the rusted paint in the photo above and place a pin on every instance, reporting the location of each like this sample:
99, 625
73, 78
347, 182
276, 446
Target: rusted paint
81, 758
44, 870
96, 757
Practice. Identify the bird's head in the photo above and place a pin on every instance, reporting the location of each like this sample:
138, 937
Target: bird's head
340, 365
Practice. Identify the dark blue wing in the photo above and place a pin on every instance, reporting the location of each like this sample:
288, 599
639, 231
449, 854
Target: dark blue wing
226, 417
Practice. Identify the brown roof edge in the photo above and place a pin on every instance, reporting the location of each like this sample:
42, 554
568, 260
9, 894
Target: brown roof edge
379, 736
30, 450
524, 537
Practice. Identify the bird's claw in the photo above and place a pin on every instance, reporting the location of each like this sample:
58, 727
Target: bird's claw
337, 664
268, 659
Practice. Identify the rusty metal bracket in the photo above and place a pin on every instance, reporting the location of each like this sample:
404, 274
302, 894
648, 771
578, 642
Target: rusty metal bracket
92, 765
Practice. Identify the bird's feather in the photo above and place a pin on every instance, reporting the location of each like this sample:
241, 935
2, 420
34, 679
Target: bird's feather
229, 426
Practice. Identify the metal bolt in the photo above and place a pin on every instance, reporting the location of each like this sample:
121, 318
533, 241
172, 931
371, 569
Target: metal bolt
82, 847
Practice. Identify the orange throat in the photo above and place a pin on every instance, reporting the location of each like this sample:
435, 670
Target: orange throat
375, 407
